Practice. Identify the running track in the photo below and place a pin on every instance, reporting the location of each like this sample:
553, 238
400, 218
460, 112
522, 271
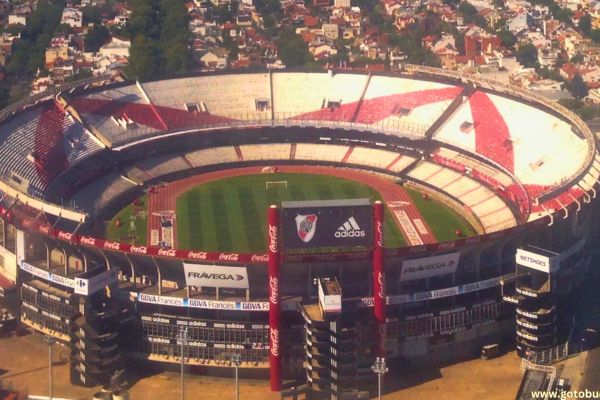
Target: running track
394, 196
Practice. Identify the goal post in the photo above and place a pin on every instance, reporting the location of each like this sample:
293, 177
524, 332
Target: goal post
275, 184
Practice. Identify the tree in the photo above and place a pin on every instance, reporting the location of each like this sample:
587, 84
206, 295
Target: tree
564, 15
578, 87
507, 38
293, 51
595, 35
527, 55
471, 15
96, 38
585, 24
268, 6
577, 58
145, 60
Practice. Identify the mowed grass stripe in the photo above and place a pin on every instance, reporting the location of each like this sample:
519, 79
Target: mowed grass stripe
221, 218
253, 229
442, 220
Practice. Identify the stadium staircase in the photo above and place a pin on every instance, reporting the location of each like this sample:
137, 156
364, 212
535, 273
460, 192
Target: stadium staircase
95, 342
330, 361
463, 96
362, 96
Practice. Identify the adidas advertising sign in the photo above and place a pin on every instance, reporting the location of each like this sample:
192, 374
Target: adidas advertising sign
330, 223
350, 228
215, 276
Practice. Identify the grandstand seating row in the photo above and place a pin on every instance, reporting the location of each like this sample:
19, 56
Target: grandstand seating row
98, 194
500, 129
40, 143
93, 197
492, 212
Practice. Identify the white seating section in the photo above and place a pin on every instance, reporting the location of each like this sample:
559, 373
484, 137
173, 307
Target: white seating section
494, 173
232, 96
298, 93
321, 152
277, 151
374, 157
212, 156
491, 211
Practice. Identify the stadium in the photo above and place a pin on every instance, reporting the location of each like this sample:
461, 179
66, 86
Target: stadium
111, 191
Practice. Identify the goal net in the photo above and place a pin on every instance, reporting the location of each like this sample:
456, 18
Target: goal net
275, 184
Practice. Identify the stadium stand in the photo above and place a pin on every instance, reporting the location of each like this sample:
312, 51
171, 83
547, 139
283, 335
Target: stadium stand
474, 164
163, 165
212, 156
276, 151
413, 103
122, 115
320, 152
39, 147
498, 128
98, 194
373, 157
400, 163
216, 95
342, 95
492, 212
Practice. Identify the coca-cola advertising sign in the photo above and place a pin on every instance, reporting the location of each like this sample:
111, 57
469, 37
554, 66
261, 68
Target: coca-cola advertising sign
90, 241
112, 245
197, 255
139, 249
273, 238
379, 233
167, 253
274, 335
274, 289
64, 235
229, 257
259, 258
381, 284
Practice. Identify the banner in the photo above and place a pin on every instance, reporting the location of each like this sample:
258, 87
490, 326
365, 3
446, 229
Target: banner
216, 276
537, 261
427, 267
95, 283
9, 263
47, 275
328, 223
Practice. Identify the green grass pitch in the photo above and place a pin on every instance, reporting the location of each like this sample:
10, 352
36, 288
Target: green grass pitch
442, 220
230, 214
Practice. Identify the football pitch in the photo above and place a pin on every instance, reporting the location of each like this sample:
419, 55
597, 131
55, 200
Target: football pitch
231, 214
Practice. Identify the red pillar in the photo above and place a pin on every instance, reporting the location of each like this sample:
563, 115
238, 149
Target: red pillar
378, 272
274, 300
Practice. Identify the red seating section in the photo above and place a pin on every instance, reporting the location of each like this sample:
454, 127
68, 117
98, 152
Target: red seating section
492, 137
49, 148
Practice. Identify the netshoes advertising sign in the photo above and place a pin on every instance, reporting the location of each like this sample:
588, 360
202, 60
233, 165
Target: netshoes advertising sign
331, 223
215, 276
426, 267
536, 261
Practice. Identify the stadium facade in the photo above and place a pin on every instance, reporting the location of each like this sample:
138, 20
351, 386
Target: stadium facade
521, 169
